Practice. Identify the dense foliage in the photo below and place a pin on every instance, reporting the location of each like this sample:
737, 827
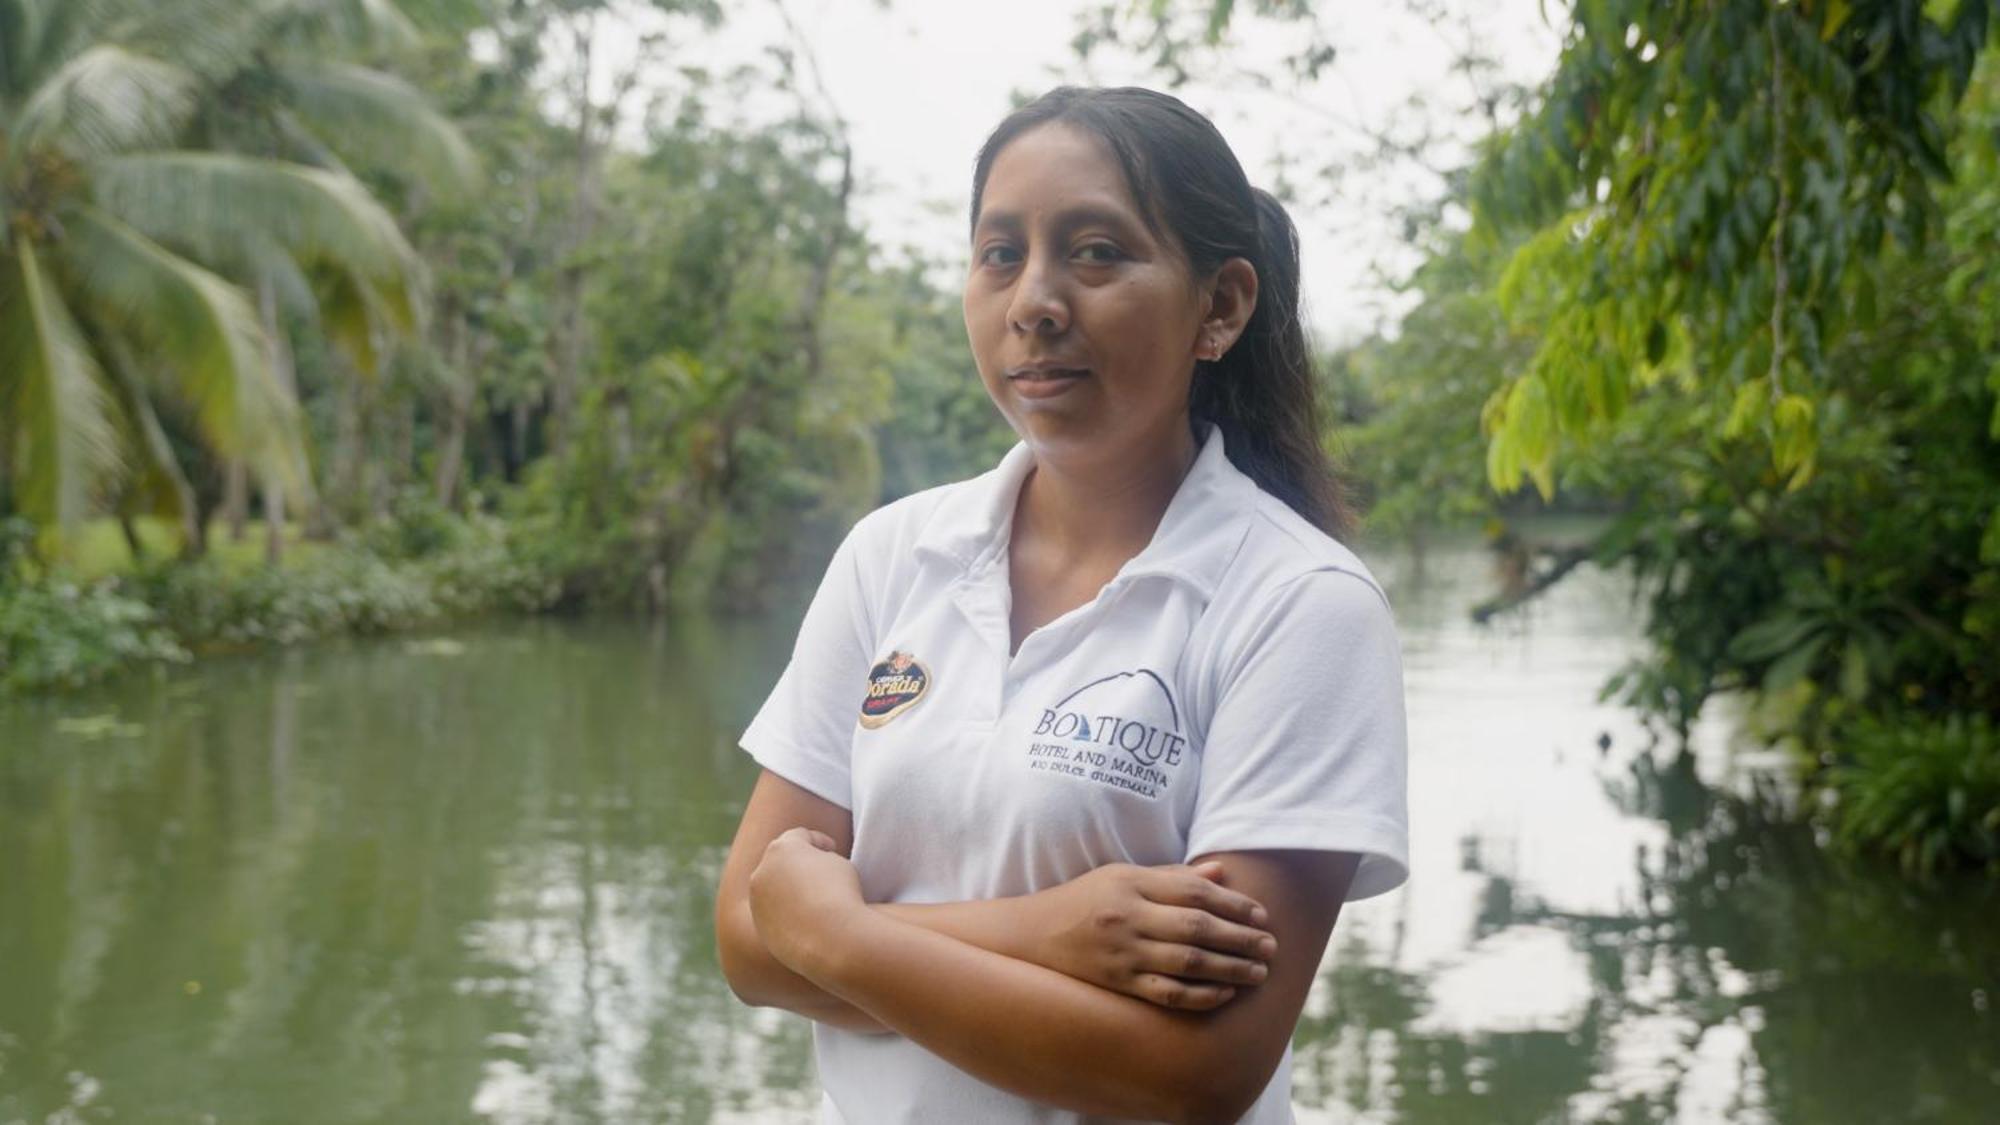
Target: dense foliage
1732, 276
261, 275
172, 182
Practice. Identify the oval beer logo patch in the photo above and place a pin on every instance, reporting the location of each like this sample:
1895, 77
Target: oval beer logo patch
894, 686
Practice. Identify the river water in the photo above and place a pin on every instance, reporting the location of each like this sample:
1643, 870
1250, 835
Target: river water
469, 878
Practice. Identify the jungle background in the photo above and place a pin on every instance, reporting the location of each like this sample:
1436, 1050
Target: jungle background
324, 319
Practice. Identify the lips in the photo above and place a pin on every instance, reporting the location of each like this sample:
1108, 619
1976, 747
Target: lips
1046, 371
1045, 380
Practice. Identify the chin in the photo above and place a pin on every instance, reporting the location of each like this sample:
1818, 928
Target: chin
1071, 440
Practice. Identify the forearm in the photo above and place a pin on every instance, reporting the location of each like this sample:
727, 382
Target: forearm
1010, 927
1023, 1027
761, 980
1004, 926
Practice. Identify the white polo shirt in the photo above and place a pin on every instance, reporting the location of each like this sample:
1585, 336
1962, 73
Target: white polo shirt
1236, 686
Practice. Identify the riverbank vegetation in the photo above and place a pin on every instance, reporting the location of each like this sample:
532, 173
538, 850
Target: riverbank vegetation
1736, 268
463, 313
468, 314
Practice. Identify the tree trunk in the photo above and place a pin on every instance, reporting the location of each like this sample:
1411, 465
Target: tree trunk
451, 451
195, 546
235, 497
347, 451
517, 439
281, 367
458, 416
132, 542
403, 469
569, 341
813, 307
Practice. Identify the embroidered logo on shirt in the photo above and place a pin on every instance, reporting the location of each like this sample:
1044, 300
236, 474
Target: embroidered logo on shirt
1121, 730
894, 686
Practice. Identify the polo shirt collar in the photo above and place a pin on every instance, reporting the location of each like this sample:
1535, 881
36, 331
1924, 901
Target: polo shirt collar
1197, 538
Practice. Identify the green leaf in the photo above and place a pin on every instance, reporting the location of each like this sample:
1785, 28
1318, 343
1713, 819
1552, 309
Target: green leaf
200, 326
1218, 19
1788, 670
1853, 671
1774, 635
54, 420
209, 201
225, 209
1792, 437
1746, 410
380, 120
106, 99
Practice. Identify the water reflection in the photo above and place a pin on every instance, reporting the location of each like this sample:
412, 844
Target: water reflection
1600, 928
469, 879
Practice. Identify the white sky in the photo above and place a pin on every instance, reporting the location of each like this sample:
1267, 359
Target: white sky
921, 82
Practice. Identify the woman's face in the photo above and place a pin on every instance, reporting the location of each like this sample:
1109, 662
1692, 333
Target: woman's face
1083, 323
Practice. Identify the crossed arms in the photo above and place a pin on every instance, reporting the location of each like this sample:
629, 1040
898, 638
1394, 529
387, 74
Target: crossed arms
1222, 952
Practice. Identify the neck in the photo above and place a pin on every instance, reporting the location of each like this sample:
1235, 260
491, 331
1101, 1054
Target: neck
1076, 512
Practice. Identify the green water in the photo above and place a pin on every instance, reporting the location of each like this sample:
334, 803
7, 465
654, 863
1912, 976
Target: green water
468, 878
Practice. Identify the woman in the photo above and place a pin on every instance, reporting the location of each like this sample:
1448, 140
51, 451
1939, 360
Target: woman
1074, 762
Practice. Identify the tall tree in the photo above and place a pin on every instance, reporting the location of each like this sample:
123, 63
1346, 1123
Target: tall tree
129, 236
1711, 190
292, 99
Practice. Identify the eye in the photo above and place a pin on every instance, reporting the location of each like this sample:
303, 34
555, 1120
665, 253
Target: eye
1099, 253
996, 255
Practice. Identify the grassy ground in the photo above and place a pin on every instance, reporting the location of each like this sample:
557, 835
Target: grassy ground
97, 548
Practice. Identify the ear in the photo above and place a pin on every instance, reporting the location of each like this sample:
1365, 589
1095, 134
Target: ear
1230, 297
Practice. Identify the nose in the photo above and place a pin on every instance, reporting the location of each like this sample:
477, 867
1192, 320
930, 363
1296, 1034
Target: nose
1039, 306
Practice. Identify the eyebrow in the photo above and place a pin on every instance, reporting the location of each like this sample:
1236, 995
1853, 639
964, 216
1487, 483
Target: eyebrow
1065, 221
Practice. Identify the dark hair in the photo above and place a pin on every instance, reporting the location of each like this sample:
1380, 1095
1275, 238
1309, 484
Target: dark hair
1192, 190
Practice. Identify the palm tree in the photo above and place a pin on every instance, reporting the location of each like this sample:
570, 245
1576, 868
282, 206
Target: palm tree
137, 207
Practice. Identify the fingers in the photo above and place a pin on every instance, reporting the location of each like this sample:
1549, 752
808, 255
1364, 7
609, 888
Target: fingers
1180, 885
1189, 996
802, 834
1195, 927
1194, 964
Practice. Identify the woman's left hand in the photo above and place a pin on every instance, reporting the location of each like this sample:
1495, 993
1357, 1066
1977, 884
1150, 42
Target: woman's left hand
799, 894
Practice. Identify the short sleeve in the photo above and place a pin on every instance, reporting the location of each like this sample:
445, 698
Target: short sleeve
1307, 746
804, 730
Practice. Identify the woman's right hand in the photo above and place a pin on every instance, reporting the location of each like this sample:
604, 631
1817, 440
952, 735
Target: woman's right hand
1172, 935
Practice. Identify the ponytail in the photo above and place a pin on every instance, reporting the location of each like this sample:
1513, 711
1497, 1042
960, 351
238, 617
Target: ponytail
1262, 393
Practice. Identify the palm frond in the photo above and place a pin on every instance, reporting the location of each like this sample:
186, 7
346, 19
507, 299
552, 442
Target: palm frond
215, 205
54, 425
358, 23
155, 484
353, 317
209, 38
34, 35
374, 119
268, 263
201, 327
107, 99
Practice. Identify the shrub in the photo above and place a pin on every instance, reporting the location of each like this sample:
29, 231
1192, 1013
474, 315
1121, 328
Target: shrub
417, 527
60, 635
1926, 789
489, 570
